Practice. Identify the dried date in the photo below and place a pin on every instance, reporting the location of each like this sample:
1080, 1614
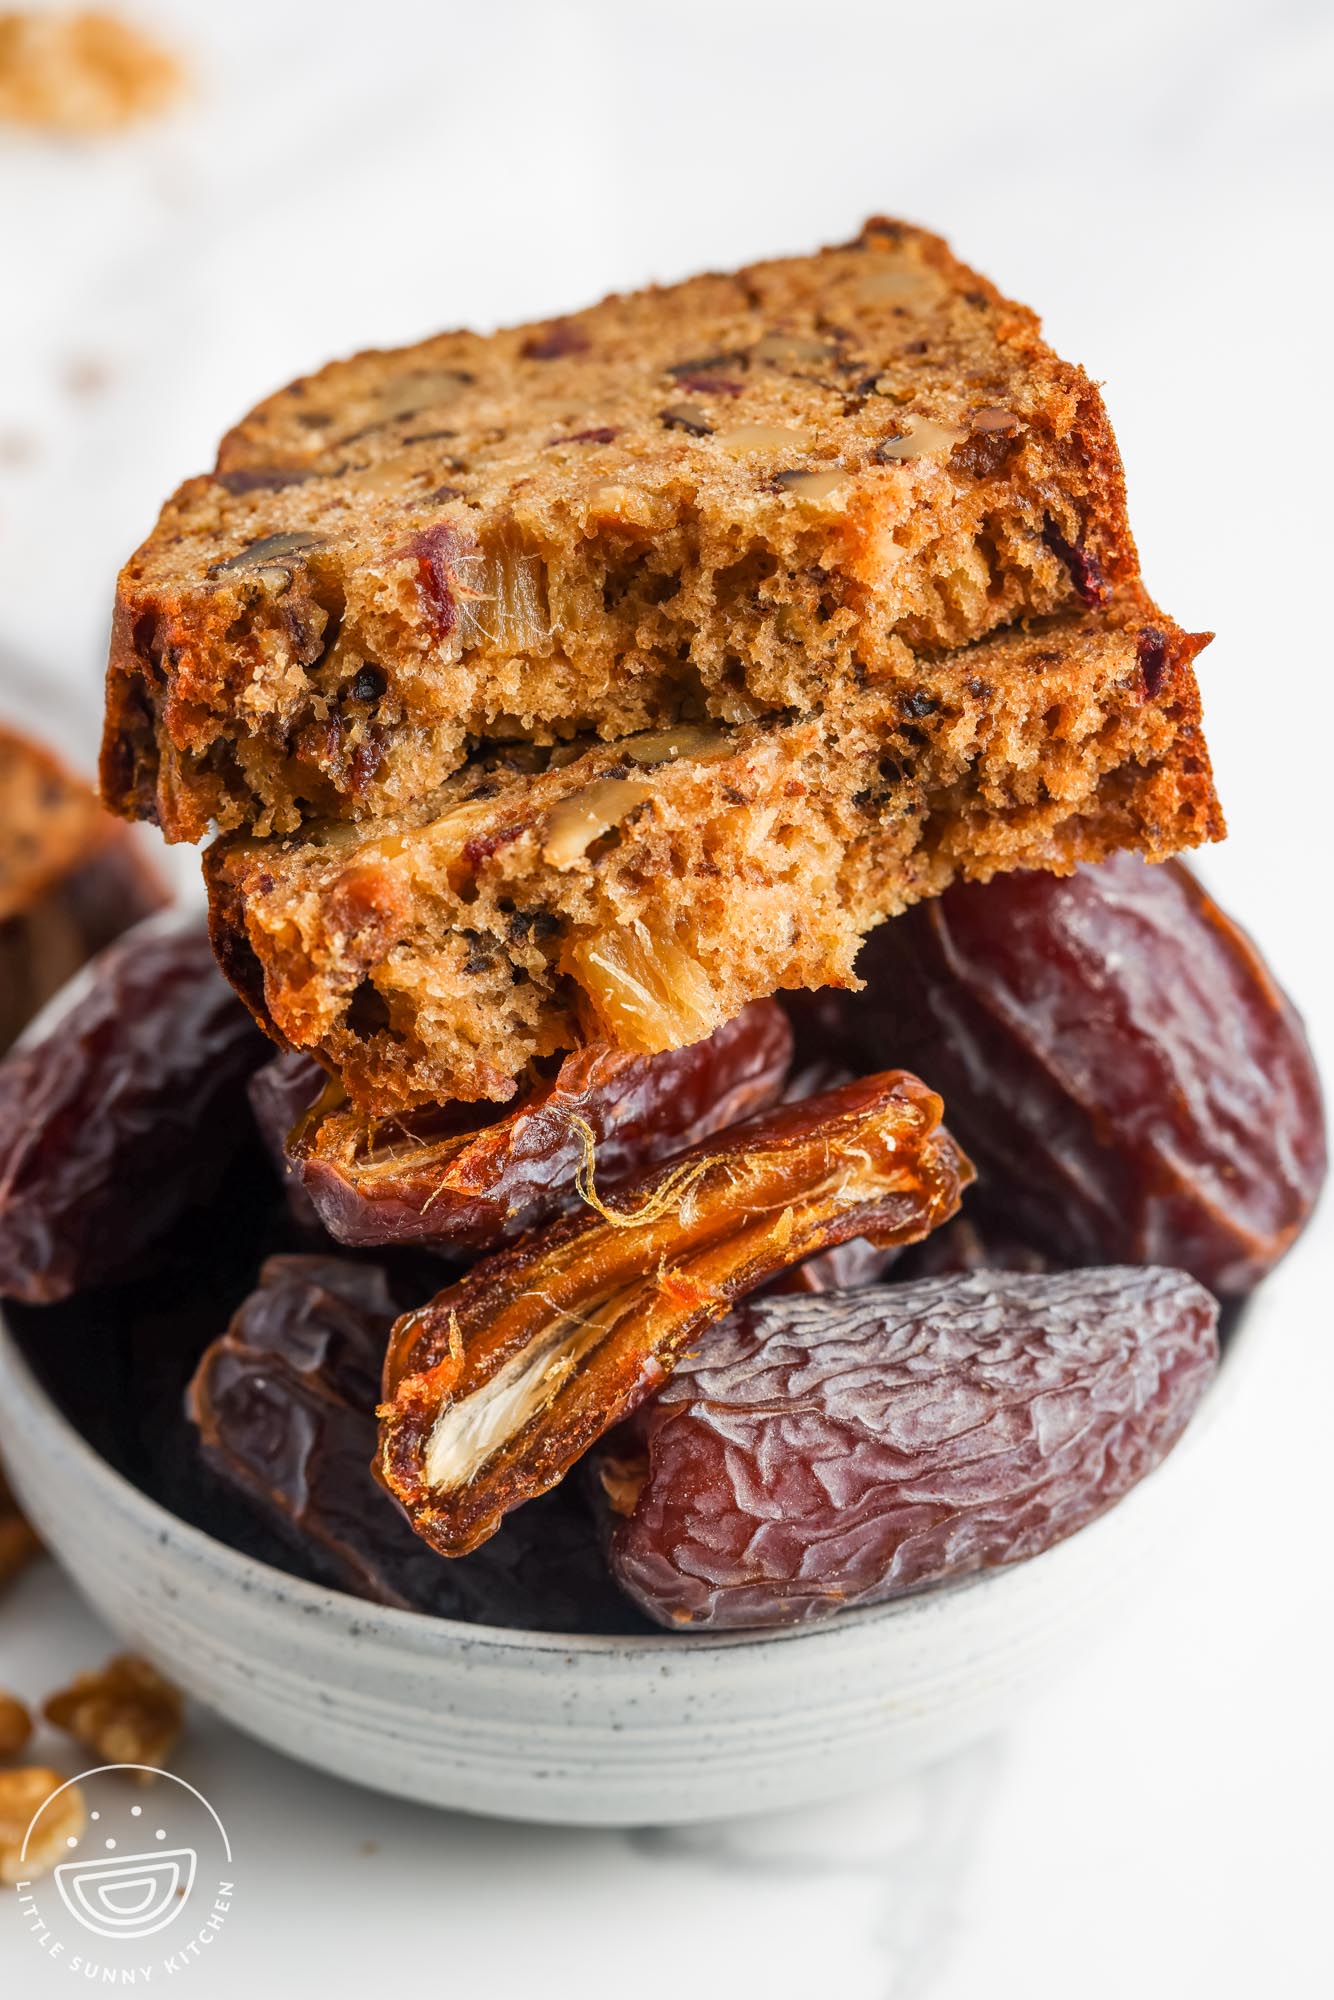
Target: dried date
495, 1388
826, 1452
284, 1405
846, 1264
462, 1175
123, 1115
972, 1242
841, 1269
282, 1094
1117, 1058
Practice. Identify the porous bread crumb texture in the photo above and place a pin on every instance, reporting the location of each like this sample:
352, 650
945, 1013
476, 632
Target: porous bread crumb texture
720, 500
645, 891
81, 74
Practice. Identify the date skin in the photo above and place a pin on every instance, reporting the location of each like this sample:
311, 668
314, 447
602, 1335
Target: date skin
839, 1269
497, 1387
847, 1264
972, 1242
123, 1116
453, 1178
1116, 1057
819, 1453
284, 1405
281, 1094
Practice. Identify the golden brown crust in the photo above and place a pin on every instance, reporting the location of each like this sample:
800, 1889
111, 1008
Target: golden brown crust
716, 500
646, 890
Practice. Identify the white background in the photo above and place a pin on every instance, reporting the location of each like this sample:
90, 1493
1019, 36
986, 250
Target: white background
1157, 179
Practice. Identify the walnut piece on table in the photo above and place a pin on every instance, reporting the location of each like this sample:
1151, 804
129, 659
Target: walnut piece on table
18, 1541
22, 1793
125, 1711
75, 74
15, 1724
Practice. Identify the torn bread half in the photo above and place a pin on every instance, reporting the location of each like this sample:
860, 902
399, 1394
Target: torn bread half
734, 497
645, 890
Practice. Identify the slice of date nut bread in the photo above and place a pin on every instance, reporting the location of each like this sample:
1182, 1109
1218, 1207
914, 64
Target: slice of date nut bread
645, 890
723, 500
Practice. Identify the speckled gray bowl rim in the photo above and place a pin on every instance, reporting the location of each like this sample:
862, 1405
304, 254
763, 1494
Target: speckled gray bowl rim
358, 1617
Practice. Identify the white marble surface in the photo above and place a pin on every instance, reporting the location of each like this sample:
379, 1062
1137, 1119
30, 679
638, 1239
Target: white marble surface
1159, 178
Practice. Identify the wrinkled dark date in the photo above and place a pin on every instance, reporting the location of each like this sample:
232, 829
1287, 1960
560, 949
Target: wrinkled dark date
1116, 1057
971, 1242
284, 1403
840, 1269
846, 1264
463, 1175
124, 1115
498, 1385
281, 1094
824, 1452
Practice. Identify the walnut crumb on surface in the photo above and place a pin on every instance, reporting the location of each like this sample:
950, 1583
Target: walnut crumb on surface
22, 1793
18, 1541
76, 74
125, 1711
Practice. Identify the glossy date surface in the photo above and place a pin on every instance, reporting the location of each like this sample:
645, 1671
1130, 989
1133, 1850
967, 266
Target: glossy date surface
465, 1176
1115, 1055
496, 1387
124, 1115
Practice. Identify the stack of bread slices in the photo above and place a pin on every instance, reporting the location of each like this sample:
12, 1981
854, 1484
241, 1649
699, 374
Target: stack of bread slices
588, 680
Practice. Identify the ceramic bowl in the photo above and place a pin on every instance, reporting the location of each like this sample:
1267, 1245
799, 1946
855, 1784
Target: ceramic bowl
599, 1731
596, 1731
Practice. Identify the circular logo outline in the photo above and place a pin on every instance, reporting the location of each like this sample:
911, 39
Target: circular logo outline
74, 1902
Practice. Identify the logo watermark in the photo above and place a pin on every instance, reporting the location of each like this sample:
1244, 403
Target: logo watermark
145, 1887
